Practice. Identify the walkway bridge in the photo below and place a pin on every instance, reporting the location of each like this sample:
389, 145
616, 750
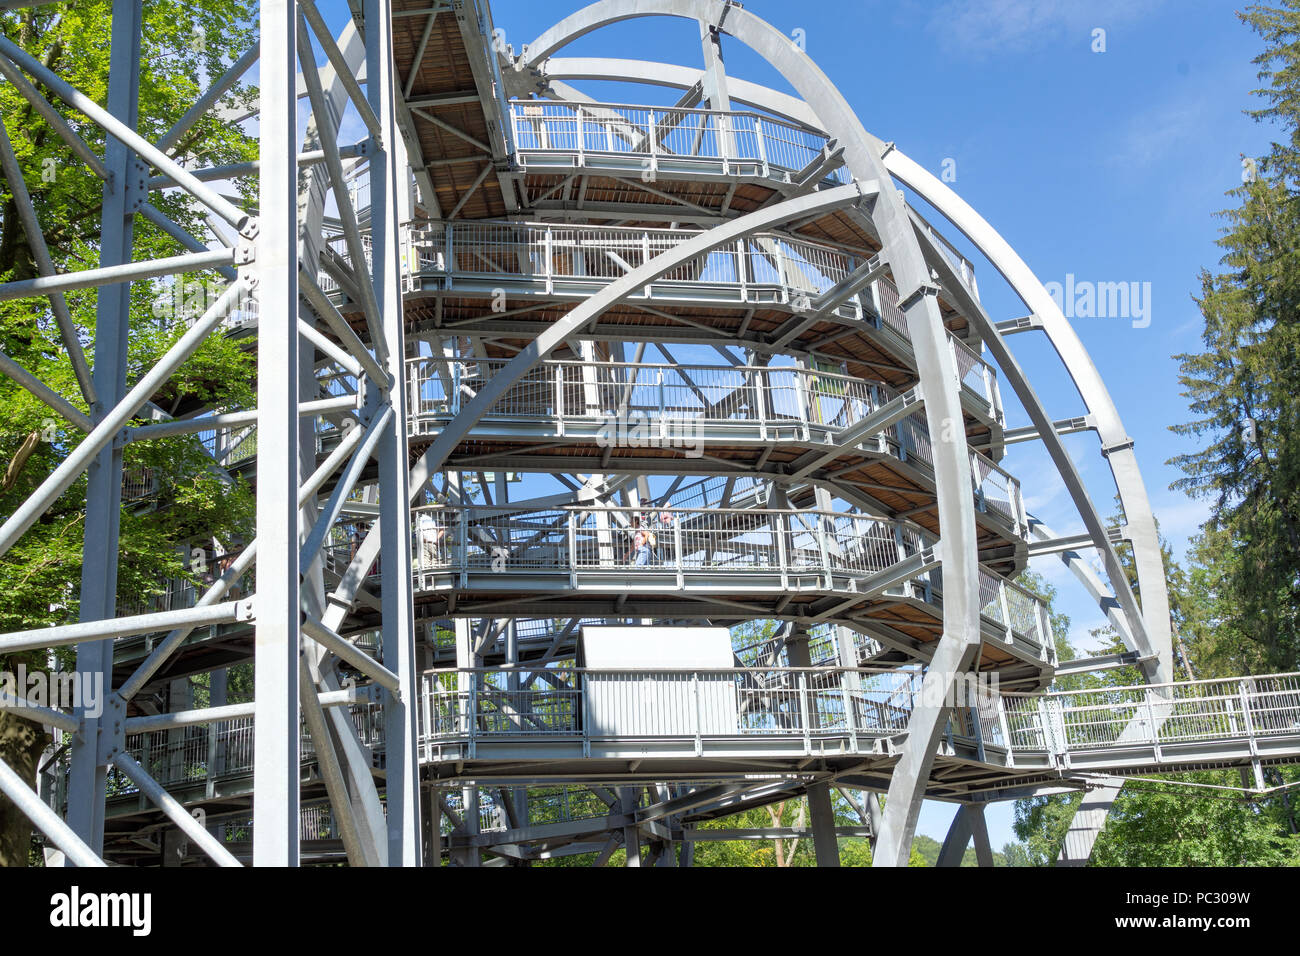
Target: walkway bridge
575, 735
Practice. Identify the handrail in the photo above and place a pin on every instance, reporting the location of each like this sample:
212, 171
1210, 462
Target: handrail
587, 539
1251, 708
678, 396
794, 707
666, 135
562, 256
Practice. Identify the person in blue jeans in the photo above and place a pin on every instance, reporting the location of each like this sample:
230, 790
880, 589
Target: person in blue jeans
639, 553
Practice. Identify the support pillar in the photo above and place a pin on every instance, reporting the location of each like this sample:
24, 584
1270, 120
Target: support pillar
631, 834
277, 637
1086, 826
92, 746
386, 188
967, 824
821, 813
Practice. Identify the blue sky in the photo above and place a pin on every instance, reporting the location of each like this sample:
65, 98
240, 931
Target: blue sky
1109, 166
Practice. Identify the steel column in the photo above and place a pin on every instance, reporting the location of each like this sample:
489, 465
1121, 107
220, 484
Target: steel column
276, 740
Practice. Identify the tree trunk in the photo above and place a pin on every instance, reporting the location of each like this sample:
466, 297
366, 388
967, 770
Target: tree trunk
21, 745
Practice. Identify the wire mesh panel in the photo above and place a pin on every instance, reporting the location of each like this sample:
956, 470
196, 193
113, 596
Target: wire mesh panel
679, 133
1024, 721
497, 540
540, 703
886, 294
973, 372
913, 437
995, 488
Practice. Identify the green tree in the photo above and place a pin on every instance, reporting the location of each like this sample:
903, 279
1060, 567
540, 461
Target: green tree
1244, 388
185, 45
1171, 824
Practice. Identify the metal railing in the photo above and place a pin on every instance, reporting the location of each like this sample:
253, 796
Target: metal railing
222, 749
713, 541
785, 706
1016, 609
766, 266
658, 138
471, 705
574, 391
174, 594
614, 704
1156, 714
647, 405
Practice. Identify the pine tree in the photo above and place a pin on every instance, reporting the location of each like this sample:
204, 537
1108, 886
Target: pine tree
1244, 387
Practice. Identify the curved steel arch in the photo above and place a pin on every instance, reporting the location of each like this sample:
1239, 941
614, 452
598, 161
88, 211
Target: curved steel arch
1065, 467
1149, 632
571, 324
1151, 635
959, 646
781, 105
1115, 443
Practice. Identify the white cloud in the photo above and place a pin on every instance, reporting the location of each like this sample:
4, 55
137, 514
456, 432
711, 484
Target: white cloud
1151, 136
986, 27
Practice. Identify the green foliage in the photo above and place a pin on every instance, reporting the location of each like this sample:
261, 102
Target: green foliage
1244, 388
187, 503
1155, 824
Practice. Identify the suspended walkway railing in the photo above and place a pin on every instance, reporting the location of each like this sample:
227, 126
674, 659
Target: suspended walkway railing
565, 713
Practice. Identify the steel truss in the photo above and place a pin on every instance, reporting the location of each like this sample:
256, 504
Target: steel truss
346, 285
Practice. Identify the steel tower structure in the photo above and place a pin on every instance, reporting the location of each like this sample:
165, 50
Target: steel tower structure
473, 290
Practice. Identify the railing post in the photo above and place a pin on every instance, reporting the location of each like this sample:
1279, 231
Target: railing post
821, 545
1005, 605
1151, 720
549, 252
782, 555
846, 695
1000, 703
977, 732
572, 531
584, 684
462, 522
453, 400
780, 268
429, 731
727, 142
762, 146
645, 257
699, 730
803, 400
210, 783
677, 550
1245, 709
1046, 729
1044, 641
652, 131
449, 267
473, 713
559, 399
582, 138
804, 713
663, 404
742, 270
